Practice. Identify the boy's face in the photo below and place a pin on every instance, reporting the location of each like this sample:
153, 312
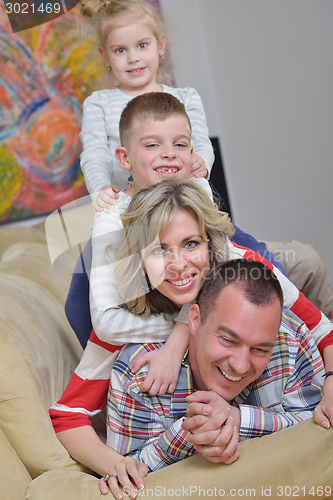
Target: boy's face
159, 149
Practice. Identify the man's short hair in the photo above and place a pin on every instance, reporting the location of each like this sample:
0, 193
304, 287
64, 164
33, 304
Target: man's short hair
154, 105
259, 284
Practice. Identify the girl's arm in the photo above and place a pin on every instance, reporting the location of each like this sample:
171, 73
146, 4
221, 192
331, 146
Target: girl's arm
201, 143
164, 364
96, 155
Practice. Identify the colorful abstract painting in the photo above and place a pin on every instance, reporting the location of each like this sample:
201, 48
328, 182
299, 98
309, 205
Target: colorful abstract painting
46, 72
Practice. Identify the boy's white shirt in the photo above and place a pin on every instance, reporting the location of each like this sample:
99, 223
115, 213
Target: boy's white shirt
112, 323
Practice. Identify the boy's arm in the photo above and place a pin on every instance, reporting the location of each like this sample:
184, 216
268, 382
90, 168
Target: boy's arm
106, 197
246, 240
96, 156
164, 364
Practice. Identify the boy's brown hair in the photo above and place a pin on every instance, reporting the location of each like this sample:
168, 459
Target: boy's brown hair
154, 105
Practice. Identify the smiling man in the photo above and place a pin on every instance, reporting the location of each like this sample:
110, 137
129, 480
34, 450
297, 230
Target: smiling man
251, 369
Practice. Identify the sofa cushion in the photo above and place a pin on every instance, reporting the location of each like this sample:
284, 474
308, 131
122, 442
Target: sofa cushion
295, 462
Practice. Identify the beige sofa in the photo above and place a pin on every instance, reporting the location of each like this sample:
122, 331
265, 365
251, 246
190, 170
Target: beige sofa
38, 353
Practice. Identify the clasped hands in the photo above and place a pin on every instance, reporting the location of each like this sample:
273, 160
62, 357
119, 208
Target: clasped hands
213, 426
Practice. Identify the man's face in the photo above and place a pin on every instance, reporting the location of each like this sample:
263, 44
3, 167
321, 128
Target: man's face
234, 345
159, 149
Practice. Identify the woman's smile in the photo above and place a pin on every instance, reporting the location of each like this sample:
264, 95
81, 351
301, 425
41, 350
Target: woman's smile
178, 262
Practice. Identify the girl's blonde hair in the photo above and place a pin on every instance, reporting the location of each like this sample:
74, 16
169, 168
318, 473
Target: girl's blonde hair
148, 215
110, 14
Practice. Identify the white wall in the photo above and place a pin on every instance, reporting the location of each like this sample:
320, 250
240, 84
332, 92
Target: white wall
264, 70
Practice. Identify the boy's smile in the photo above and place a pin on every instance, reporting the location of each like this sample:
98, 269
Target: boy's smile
159, 149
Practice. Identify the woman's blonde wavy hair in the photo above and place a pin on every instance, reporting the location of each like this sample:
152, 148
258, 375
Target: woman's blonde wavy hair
110, 14
148, 215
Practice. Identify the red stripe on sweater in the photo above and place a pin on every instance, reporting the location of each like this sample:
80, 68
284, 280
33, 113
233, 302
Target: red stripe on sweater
305, 310
88, 394
325, 342
252, 255
109, 347
64, 420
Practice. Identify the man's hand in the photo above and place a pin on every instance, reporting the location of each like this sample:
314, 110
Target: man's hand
214, 426
106, 197
198, 167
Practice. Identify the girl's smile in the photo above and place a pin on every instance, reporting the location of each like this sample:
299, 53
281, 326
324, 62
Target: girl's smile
133, 53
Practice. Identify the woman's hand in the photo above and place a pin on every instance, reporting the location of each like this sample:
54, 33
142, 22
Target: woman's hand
164, 363
106, 197
119, 478
163, 371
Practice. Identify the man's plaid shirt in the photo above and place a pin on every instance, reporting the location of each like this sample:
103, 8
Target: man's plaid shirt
149, 427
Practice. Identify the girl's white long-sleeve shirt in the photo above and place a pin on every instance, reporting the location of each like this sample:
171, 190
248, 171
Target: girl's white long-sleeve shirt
100, 134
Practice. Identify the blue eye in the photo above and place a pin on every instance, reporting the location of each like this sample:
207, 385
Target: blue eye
190, 245
158, 252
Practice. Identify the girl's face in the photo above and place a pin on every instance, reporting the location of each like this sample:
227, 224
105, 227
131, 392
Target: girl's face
178, 261
133, 53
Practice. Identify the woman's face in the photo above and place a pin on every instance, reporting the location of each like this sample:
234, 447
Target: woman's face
178, 261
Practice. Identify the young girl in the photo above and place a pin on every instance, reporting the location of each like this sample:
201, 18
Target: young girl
132, 44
